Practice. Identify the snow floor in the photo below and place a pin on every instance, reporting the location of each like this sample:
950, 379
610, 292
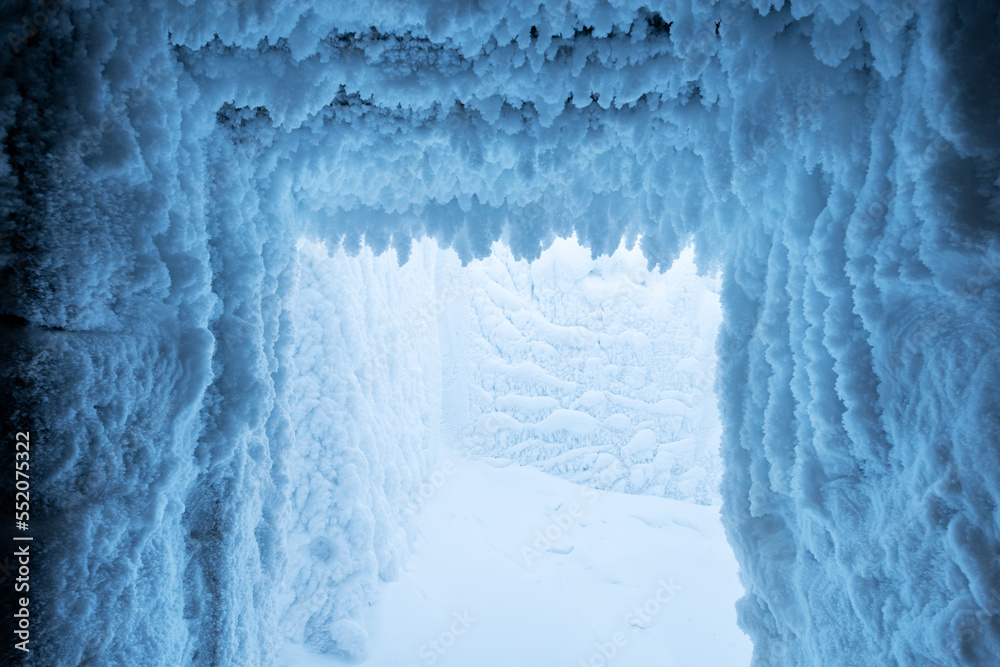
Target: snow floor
512, 566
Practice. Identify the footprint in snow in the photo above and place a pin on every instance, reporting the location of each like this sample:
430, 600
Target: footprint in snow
562, 551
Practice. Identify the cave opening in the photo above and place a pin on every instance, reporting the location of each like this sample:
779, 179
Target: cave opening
537, 447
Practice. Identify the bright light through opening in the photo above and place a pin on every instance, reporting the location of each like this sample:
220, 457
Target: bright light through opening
563, 417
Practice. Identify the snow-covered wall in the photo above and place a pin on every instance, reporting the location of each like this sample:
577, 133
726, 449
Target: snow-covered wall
837, 160
365, 410
595, 370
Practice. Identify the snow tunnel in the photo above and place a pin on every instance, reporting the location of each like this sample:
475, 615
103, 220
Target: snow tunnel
678, 319
536, 447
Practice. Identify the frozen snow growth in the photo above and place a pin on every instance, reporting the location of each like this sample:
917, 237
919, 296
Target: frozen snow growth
837, 160
599, 371
365, 408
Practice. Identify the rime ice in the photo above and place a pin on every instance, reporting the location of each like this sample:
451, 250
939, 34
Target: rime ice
169, 171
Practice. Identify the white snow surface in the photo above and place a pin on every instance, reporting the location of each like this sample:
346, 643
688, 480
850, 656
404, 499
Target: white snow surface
386, 361
836, 161
515, 567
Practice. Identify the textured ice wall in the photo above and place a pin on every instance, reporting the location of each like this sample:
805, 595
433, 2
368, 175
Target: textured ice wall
364, 401
837, 160
595, 370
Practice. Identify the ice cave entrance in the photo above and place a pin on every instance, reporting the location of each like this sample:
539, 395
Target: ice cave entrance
561, 421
